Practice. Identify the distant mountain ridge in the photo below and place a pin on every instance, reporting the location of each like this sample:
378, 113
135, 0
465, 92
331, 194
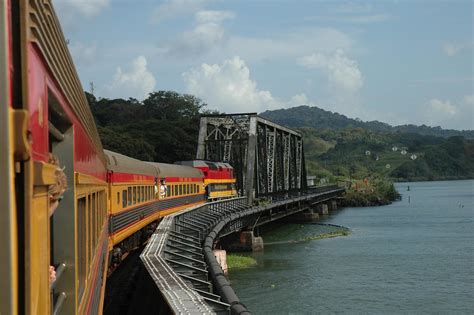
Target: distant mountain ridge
315, 117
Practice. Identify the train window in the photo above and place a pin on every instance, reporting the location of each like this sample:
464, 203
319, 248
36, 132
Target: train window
143, 193
129, 196
180, 190
82, 243
101, 206
134, 195
124, 198
138, 194
168, 190
89, 238
93, 213
118, 198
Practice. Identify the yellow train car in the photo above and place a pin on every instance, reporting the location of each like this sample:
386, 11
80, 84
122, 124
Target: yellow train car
142, 193
54, 247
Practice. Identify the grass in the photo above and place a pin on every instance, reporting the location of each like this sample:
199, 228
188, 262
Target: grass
327, 235
344, 232
239, 262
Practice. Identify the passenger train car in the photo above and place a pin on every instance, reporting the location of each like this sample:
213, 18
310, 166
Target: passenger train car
143, 192
44, 111
112, 202
219, 180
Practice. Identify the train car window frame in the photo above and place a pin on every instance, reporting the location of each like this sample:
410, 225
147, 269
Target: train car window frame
118, 197
180, 189
124, 198
134, 194
82, 244
89, 238
93, 222
130, 200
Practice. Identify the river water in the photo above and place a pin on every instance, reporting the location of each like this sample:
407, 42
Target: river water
407, 257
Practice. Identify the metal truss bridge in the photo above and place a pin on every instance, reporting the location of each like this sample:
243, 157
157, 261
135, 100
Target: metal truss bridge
268, 159
269, 165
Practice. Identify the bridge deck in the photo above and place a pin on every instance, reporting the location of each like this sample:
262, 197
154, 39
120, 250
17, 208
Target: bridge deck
179, 255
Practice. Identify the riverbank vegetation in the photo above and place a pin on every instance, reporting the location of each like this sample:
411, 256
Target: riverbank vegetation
235, 261
370, 193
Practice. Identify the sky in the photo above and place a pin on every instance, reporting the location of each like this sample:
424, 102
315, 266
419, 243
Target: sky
400, 62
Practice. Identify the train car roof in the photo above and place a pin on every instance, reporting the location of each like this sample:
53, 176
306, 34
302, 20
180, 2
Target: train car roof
120, 163
174, 170
202, 163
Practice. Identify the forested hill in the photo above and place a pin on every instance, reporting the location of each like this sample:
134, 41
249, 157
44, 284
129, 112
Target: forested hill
162, 128
306, 116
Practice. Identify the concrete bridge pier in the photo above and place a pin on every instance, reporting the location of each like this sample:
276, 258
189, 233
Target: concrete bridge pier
332, 205
308, 215
244, 241
253, 243
322, 209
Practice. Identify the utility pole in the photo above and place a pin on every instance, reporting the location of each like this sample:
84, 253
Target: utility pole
91, 84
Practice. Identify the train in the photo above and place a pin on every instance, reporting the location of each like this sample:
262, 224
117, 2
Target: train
112, 202
219, 179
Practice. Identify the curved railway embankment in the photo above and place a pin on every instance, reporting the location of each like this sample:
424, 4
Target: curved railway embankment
179, 256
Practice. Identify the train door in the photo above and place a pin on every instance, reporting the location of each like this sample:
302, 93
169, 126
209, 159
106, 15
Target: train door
63, 220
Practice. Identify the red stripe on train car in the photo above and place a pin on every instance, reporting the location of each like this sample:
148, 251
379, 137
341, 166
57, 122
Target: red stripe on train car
127, 178
183, 179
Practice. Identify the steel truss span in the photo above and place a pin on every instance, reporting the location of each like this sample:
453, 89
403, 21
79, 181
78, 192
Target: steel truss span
268, 158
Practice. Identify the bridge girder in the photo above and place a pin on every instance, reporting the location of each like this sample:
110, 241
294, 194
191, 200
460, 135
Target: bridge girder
268, 158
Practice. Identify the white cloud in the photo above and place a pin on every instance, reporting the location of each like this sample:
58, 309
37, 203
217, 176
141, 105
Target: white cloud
469, 99
452, 49
85, 54
228, 87
443, 107
176, 8
207, 35
137, 83
293, 44
341, 71
213, 16
447, 114
300, 99
356, 13
87, 8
